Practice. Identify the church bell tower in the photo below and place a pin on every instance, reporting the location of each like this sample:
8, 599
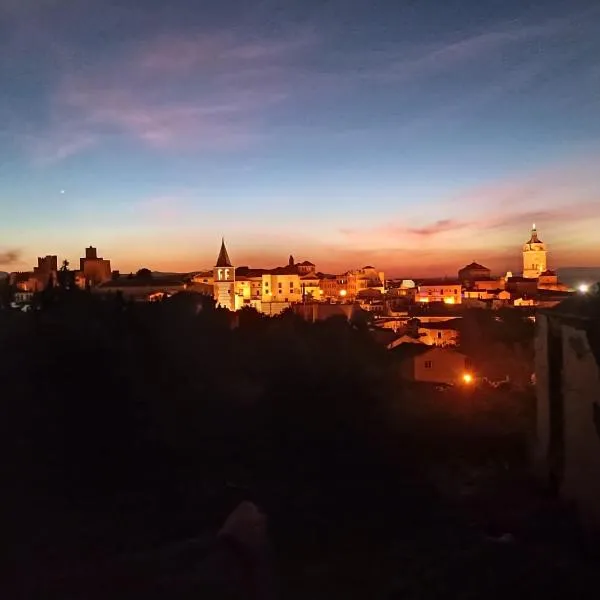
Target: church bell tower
534, 256
224, 280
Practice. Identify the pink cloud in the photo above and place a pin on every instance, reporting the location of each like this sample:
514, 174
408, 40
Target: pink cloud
563, 200
474, 47
226, 84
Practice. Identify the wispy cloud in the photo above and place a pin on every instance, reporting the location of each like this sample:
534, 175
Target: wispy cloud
216, 89
203, 91
441, 226
551, 197
58, 144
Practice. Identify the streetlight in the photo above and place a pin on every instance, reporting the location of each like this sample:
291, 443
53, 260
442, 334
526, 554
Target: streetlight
583, 288
467, 378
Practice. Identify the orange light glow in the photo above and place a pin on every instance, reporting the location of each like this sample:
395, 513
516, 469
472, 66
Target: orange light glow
423, 299
468, 378
343, 293
448, 300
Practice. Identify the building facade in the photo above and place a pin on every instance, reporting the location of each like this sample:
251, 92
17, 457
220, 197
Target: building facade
443, 290
224, 280
432, 364
567, 378
534, 256
470, 273
95, 269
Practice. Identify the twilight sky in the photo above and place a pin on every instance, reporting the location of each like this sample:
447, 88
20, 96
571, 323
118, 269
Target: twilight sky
414, 135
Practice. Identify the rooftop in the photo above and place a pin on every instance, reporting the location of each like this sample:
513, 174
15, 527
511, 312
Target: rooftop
223, 258
474, 266
440, 282
578, 306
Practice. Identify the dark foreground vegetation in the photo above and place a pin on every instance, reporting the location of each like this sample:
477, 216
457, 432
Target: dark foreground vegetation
130, 432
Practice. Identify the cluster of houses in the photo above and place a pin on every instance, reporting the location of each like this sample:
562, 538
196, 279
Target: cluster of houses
418, 320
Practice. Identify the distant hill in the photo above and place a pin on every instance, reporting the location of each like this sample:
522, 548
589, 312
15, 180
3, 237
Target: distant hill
161, 274
573, 276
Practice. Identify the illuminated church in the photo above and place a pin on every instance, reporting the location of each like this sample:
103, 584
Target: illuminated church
534, 256
224, 280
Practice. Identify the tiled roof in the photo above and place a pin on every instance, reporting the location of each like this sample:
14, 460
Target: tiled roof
474, 266
289, 270
246, 272
440, 282
519, 279
450, 324
409, 350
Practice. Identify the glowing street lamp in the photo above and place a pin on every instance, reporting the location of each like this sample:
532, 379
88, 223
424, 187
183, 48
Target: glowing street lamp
583, 288
343, 293
467, 378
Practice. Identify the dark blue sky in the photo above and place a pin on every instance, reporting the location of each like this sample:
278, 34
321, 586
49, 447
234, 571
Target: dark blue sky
412, 135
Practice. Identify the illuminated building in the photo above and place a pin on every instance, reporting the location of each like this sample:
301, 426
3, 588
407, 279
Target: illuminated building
447, 291
271, 291
418, 362
95, 269
224, 280
473, 272
534, 256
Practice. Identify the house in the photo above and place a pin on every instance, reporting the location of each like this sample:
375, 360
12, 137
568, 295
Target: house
448, 291
567, 377
442, 333
422, 363
470, 273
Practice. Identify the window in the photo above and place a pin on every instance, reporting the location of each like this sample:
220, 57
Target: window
428, 364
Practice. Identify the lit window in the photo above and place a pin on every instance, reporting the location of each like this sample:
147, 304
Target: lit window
428, 364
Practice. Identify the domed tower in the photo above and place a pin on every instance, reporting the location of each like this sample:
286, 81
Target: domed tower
534, 256
224, 280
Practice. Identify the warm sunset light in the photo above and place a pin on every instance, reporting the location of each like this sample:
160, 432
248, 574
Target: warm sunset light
248, 247
207, 102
